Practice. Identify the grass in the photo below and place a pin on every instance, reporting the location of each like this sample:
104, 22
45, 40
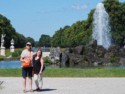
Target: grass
70, 72
16, 54
10, 72
8, 53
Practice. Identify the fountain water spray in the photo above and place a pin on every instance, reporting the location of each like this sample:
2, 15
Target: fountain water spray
101, 27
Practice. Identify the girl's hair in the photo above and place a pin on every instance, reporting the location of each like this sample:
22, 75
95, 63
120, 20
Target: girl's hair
39, 49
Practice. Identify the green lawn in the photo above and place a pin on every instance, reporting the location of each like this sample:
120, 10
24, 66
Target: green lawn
69, 72
14, 55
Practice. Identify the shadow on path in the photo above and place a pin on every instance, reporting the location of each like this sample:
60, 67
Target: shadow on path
46, 89
1, 82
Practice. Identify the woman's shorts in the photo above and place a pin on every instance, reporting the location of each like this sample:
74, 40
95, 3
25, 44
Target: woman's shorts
27, 72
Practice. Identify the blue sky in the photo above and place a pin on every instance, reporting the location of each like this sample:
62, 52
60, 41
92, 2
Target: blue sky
32, 18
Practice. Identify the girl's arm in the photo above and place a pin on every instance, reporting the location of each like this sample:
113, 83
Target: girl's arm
41, 61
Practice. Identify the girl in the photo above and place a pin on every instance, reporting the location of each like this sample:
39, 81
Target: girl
38, 67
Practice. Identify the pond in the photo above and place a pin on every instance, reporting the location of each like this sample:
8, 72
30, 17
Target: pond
43, 49
10, 64
17, 64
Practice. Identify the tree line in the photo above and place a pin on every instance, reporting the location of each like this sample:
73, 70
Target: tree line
79, 33
19, 39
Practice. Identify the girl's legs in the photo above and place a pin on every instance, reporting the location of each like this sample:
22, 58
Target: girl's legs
41, 80
36, 80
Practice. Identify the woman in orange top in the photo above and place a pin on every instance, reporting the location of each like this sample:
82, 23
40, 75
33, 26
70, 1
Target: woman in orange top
27, 71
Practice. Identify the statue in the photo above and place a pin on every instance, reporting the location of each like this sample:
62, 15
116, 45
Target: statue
12, 42
12, 46
2, 51
2, 40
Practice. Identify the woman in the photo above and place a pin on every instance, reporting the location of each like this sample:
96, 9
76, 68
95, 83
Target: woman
38, 67
27, 71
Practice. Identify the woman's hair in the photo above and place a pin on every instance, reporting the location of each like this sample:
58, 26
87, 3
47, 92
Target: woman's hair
39, 49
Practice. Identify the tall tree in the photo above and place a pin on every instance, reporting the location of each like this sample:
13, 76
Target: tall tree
116, 11
29, 39
81, 31
7, 28
45, 40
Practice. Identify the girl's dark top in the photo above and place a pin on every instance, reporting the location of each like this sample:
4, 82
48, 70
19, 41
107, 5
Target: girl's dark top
37, 65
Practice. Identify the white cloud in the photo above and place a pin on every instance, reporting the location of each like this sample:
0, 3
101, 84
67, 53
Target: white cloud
79, 6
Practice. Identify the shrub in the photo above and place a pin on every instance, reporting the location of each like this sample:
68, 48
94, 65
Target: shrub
113, 59
1, 58
16, 53
47, 60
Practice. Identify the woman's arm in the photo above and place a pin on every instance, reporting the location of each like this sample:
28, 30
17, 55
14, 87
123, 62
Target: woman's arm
22, 59
22, 56
41, 61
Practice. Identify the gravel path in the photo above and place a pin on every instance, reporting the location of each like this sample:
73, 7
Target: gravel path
13, 85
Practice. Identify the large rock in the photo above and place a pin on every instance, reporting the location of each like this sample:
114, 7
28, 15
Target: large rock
64, 59
122, 52
114, 49
79, 50
75, 59
55, 55
93, 54
122, 61
90, 55
111, 58
100, 51
107, 57
68, 50
93, 44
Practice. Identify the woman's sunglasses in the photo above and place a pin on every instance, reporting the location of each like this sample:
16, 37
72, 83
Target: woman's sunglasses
28, 45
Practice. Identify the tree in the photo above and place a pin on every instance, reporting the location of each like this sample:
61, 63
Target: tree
45, 40
20, 40
58, 38
80, 33
7, 28
29, 39
116, 11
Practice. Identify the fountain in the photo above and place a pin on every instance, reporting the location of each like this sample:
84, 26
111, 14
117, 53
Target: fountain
101, 27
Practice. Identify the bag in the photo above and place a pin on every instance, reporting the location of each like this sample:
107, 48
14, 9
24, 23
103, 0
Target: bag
27, 62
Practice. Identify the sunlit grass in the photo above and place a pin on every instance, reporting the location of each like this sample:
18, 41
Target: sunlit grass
70, 72
8, 53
